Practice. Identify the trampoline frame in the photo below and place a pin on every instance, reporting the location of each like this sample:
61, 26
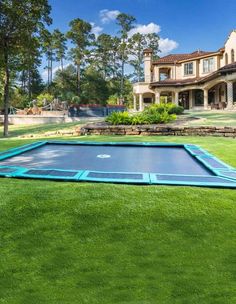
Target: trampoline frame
223, 173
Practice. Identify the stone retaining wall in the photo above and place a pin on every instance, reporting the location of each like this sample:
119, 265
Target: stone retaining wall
161, 130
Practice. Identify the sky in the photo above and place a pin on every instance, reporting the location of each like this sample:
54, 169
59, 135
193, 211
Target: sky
183, 25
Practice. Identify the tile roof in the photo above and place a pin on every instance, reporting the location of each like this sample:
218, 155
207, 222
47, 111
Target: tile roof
228, 67
176, 82
148, 50
172, 58
188, 81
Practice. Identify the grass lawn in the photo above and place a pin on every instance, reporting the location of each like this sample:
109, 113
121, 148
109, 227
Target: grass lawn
213, 118
19, 130
36, 129
65, 242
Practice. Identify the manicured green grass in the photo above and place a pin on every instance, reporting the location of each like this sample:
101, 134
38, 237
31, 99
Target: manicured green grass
19, 130
103, 243
37, 129
213, 118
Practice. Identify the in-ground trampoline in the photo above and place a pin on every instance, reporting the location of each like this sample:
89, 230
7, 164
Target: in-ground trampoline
135, 163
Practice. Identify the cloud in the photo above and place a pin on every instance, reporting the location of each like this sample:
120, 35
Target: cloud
106, 16
96, 30
145, 29
167, 45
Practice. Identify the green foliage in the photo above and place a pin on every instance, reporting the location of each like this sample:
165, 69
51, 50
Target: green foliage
21, 23
65, 83
76, 99
119, 118
105, 56
178, 110
44, 96
81, 36
18, 98
94, 87
137, 44
112, 99
125, 118
154, 114
59, 46
170, 108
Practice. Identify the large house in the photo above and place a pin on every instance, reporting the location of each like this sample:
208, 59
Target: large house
199, 80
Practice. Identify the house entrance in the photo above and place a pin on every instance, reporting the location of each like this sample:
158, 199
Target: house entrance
184, 99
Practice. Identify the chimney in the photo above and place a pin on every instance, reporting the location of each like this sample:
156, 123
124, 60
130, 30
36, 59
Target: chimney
147, 64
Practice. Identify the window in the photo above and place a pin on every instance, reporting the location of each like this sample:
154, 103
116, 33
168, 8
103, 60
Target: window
232, 56
198, 98
234, 92
226, 58
188, 68
208, 65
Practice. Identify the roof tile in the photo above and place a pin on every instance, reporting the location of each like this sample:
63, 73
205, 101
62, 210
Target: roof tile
172, 58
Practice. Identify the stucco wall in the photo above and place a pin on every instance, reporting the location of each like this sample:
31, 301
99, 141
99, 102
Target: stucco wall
37, 119
147, 67
183, 76
231, 45
215, 66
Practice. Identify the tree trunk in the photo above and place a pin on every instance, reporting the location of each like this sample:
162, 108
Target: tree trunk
62, 65
48, 71
78, 78
29, 83
122, 81
51, 69
6, 93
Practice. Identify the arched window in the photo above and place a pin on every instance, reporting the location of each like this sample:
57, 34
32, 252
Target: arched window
226, 58
232, 56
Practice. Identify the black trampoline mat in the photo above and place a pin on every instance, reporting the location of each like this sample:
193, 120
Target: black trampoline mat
156, 159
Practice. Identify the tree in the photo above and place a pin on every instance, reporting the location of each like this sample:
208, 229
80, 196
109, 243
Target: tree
126, 23
66, 82
137, 44
105, 55
59, 46
19, 20
81, 36
29, 62
47, 47
152, 41
94, 87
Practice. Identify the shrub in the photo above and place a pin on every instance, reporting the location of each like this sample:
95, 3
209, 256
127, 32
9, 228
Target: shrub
76, 99
124, 118
178, 110
119, 118
42, 97
170, 108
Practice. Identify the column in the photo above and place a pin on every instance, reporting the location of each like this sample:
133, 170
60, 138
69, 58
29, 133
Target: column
229, 95
217, 98
140, 102
190, 99
177, 98
157, 97
135, 102
157, 75
205, 99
